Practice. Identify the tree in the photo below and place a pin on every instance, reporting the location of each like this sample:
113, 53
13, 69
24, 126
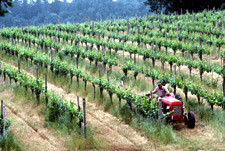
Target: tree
169, 6
5, 4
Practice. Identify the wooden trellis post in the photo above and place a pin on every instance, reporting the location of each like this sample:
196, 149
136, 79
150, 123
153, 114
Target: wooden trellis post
4, 122
37, 73
3, 117
1, 109
55, 39
78, 107
94, 90
107, 75
38, 96
12, 40
59, 29
151, 97
224, 84
166, 40
217, 26
19, 66
175, 87
0, 68
200, 43
123, 46
127, 27
193, 18
99, 71
223, 23
46, 91
159, 111
209, 32
21, 27
153, 59
98, 36
93, 26
84, 118
188, 54
152, 47
187, 25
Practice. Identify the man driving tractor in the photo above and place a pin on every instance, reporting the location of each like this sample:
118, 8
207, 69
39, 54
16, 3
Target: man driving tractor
173, 106
161, 90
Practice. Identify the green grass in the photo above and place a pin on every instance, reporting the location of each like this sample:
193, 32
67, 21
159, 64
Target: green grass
9, 143
205, 114
78, 141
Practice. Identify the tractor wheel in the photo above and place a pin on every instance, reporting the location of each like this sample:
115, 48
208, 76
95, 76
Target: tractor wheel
178, 98
191, 120
185, 119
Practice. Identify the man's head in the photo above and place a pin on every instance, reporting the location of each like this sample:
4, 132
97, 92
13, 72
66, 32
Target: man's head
159, 84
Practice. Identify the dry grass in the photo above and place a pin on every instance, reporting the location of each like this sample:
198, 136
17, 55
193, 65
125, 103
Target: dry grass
28, 124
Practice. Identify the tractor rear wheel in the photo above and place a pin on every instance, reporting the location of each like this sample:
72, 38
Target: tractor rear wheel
185, 119
191, 120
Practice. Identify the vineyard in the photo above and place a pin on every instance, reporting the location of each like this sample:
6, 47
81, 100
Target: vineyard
113, 64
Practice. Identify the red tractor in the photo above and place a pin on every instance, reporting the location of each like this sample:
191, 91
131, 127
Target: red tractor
174, 105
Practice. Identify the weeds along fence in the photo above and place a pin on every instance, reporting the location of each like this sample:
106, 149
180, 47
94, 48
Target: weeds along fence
55, 106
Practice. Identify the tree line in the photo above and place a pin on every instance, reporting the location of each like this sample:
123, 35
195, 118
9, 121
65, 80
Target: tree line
42, 11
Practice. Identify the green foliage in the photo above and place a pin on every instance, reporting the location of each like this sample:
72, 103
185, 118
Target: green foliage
174, 6
8, 124
56, 108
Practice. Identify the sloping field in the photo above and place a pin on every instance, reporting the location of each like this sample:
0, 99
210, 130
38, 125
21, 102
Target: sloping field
112, 64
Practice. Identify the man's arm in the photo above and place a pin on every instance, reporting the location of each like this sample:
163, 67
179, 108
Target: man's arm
167, 91
154, 91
